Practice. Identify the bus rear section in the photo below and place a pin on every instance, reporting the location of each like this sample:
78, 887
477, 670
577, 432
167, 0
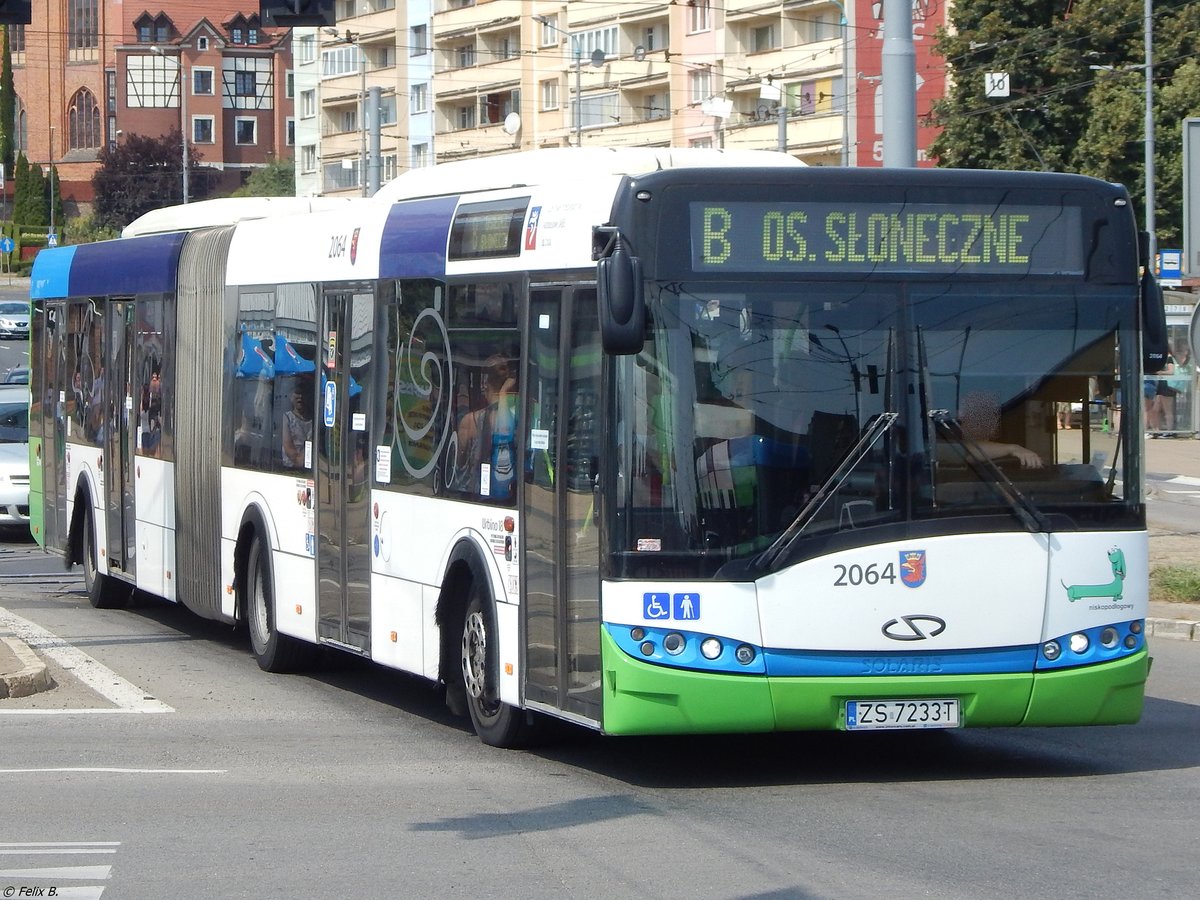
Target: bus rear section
840, 496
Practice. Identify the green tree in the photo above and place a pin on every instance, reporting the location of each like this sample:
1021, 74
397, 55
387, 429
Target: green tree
276, 179
1077, 82
140, 174
54, 198
8, 106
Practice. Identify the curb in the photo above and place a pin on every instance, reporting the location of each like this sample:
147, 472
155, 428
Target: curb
31, 678
1176, 629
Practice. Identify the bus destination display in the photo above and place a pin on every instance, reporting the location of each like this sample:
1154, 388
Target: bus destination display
874, 237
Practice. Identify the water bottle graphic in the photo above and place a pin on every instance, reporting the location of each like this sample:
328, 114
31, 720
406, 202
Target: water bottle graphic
502, 453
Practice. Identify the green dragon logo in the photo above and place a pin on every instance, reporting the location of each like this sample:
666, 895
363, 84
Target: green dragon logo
1113, 589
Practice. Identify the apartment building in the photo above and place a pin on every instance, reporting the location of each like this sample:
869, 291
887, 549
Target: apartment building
87, 73
466, 78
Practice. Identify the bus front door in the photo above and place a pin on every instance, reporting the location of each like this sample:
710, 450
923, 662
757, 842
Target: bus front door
343, 489
116, 420
561, 544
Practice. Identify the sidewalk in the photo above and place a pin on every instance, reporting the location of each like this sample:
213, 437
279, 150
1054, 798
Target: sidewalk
23, 673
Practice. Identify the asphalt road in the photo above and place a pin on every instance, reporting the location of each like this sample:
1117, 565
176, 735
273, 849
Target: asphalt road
206, 778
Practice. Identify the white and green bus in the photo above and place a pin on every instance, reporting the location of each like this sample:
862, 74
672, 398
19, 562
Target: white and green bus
652, 441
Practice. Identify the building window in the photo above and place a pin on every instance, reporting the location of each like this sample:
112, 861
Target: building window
201, 44
700, 16
657, 107
252, 36
494, 108
550, 94
20, 126
387, 109
598, 109
826, 26
308, 158
763, 38
549, 34
84, 116
420, 156
202, 82
289, 85
82, 29
243, 84
289, 131
418, 98
464, 117
602, 39
308, 104
202, 130
338, 61
16, 39
699, 86
144, 34
237, 36
418, 40
245, 132
464, 56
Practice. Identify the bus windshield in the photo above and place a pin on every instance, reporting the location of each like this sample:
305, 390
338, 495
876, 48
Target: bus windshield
778, 420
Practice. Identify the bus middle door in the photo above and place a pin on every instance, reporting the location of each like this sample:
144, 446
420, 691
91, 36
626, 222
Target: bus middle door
343, 469
115, 423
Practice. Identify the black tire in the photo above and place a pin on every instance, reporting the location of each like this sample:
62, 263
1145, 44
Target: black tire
103, 591
497, 723
274, 652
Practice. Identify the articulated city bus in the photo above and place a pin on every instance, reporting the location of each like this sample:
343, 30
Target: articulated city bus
651, 441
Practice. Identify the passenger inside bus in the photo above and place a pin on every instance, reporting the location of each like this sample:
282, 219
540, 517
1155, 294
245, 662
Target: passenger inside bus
297, 427
486, 435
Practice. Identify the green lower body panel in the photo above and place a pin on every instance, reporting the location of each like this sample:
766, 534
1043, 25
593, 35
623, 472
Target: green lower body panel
1106, 694
644, 698
37, 508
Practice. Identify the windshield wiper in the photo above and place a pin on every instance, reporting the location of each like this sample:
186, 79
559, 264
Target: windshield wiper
1022, 507
875, 430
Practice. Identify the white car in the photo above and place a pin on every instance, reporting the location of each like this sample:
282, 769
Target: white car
14, 319
14, 455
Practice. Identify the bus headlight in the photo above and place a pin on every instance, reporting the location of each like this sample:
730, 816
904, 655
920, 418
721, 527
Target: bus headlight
1051, 650
647, 648
744, 654
1130, 641
1108, 638
1079, 642
674, 643
710, 648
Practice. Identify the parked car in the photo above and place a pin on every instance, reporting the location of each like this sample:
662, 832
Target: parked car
16, 375
14, 455
14, 319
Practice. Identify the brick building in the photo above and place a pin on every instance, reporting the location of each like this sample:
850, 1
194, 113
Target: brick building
89, 72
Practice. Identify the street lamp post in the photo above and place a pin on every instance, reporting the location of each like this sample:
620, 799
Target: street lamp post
577, 51
1148, 40
353, 41
183, 136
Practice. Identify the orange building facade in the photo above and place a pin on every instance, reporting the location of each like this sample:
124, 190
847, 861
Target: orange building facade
89, 73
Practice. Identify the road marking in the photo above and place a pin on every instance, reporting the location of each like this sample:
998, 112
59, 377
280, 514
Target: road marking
107, 770
76, 873
56, 874
125, 695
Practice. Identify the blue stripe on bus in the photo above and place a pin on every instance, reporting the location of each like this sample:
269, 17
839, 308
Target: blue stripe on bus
51, 272
414, 239
841, 663
143, 265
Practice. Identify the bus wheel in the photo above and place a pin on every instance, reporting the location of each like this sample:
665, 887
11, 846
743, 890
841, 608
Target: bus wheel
102, 592
496, 723
275, 652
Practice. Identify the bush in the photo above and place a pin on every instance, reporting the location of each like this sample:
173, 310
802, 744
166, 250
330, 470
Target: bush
1178, 583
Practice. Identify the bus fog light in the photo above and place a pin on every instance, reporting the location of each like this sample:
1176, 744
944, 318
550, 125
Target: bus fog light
674, 643
1135, 627
648, 648
637, 633
744, 654
1079, 642
710, 648
1051, 650
1130, 641
1108, 638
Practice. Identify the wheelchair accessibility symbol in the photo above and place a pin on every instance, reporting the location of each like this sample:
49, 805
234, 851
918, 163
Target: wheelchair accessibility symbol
656, 606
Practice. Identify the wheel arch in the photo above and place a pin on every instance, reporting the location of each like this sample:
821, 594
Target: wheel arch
253, 525
464, 565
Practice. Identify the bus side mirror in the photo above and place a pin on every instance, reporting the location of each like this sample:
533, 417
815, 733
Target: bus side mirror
1154, 325
621, 297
